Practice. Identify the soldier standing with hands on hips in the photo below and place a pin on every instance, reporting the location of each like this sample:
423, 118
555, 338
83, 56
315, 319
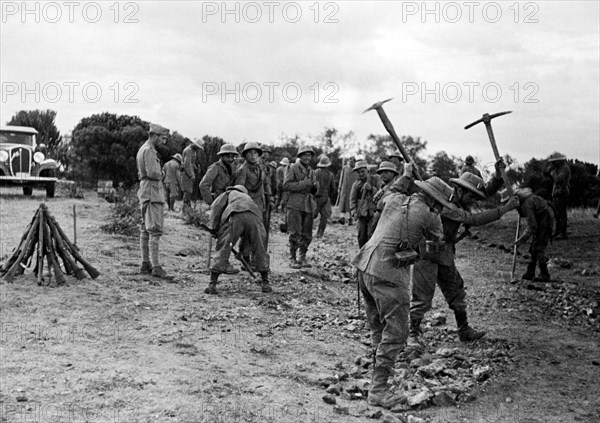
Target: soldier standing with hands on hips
151, 195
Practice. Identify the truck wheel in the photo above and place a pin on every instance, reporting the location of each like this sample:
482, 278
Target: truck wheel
50, 190
27, 191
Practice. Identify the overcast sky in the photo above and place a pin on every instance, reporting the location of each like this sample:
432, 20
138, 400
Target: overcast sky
256, 70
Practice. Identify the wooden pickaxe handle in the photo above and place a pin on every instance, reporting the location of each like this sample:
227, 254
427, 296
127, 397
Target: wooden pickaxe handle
390, 129
487, 120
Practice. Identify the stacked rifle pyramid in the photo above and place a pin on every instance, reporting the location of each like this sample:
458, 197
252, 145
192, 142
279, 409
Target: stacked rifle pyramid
53, 247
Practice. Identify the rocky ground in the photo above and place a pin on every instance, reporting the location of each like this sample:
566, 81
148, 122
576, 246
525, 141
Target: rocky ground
130, 348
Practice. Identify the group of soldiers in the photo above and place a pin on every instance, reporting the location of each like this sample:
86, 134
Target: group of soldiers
407, 229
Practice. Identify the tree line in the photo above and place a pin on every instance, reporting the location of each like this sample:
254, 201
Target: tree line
104, 146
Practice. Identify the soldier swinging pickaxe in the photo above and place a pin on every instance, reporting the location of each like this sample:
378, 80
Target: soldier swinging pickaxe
487, 120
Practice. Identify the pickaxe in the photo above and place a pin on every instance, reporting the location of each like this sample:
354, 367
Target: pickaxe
390, 128
487, 120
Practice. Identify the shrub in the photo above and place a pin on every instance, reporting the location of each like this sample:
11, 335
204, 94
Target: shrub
125, 215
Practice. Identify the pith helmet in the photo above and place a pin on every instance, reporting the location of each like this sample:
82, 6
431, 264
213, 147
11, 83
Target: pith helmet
198, 142
273, 164
469, 160
266, 148
556, 156
324, 162
285, 161
395, 153
387, 166
252, 146
438, 190
471, 182
305, 149
360, 164
157, 129
228, 149
178, 157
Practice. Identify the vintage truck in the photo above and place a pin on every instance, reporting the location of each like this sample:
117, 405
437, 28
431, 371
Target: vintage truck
23, 161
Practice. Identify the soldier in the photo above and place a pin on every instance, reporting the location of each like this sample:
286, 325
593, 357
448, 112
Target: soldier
188, 175
152, 200
326, 193
362, 207
388, 173
539, 217
396, 158
469, 167
558, 169
234, 214
280, 177
253, 176
439, 266
172, 180
347, 179
384, 275
597, 212
219, 175
301, 183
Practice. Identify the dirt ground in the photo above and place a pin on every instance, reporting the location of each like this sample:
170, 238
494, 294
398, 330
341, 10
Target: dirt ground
130, 348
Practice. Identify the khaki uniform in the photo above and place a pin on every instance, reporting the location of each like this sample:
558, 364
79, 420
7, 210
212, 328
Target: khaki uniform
151, 195
385, 286
217, 179
561, 188
539, 217
301, 184
172, 180
347, 179
362, 207
255, 179
471, 169
282, 196
324, 197
188, 175
234, 215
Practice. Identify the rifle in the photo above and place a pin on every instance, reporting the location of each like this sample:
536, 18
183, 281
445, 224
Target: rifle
237, 255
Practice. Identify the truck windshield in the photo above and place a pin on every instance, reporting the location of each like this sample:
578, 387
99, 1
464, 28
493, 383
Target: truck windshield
17, 138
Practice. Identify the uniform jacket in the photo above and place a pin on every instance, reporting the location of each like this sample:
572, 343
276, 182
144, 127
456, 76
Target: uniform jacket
216, 180
471, 169
562, 180
377, 256
232, 201
358, 196
254, 178
272, 177
172, 173
150, 175
280, 176
188, 175
347, 179
535, 209
326, 183
301, 183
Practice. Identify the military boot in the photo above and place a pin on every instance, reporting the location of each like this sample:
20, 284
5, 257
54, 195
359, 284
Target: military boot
379, 392
544, 276
414, 334
302, 258
530, 273
212, 286
265, 284
159, 272
146, 268
465, 332
294, 264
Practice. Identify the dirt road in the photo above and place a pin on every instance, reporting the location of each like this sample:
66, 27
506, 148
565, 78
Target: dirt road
130, 348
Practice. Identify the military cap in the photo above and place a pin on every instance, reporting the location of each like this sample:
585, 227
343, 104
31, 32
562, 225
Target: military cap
252, 146
387, 166
438, 190
157, 129
324, 162
228, 149
471, 182
360, 164
305, 149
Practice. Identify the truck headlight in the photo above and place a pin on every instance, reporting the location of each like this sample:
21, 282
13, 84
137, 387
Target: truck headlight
38, 157
3, 156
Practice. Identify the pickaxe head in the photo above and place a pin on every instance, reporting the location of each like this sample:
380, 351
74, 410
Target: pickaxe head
377, 105
486, 118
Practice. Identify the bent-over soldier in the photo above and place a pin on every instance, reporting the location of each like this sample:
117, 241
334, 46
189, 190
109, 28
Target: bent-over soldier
172, 180
384, 275
219, 175
234, 214
151, 195
325, 196
539, 217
